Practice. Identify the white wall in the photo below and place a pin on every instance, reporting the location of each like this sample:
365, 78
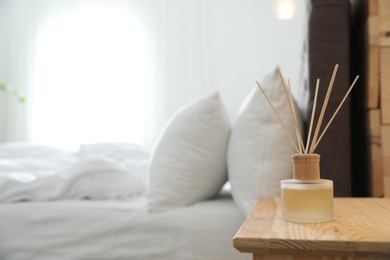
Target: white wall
250, 40
15, 59
200, 46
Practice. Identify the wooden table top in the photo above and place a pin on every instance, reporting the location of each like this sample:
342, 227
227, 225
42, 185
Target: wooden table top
361, 227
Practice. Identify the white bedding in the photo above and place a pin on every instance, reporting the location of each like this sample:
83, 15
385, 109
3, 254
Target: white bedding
119, 230
91, 204
31, 172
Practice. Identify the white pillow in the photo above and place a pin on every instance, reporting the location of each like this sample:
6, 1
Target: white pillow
259, 153
188, 163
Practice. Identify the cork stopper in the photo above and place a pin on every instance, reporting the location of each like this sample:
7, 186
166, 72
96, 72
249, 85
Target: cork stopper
306, 167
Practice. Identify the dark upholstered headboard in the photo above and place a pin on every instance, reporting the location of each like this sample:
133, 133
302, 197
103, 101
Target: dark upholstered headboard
327, 45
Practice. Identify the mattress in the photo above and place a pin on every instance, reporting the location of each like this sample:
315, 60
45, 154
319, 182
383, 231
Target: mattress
119, 230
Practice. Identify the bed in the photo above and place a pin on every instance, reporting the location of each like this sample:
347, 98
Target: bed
117, 201
59, 218
173, 203
119, 230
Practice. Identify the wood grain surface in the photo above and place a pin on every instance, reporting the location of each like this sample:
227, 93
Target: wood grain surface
361, 228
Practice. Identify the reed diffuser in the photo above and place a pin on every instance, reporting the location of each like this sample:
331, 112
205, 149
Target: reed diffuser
307, 198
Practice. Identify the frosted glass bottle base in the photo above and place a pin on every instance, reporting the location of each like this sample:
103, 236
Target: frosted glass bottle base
307, 201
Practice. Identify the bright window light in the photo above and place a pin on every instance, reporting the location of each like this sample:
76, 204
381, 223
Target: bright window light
91, 80
285, 9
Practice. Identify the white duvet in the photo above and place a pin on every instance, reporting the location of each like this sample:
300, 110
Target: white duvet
30, 172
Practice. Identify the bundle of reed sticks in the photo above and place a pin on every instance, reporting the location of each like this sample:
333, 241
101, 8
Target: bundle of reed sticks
312, 142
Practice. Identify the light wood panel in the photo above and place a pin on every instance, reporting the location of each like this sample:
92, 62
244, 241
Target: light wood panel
374, 122
372, 30
372, 7
384, 22
385, 84
371, 49
386, 159
361, 228
372, 77
375, 156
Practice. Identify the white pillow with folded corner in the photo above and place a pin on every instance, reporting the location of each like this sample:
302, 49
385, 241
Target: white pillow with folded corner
188, 163
259, 153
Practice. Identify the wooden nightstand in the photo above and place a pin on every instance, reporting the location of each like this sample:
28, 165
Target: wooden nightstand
360, 230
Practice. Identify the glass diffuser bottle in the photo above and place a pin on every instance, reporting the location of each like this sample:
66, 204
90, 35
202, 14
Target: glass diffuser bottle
307, 198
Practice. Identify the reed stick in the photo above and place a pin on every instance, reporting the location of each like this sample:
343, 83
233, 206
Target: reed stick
291, 105
319, 122
310, 146
277, 115
297, 129
312, 115
335, 113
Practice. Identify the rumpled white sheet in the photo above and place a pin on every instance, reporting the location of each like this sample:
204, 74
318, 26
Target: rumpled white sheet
113, 171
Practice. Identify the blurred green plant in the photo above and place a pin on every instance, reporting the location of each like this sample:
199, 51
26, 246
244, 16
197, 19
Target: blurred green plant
13, 92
